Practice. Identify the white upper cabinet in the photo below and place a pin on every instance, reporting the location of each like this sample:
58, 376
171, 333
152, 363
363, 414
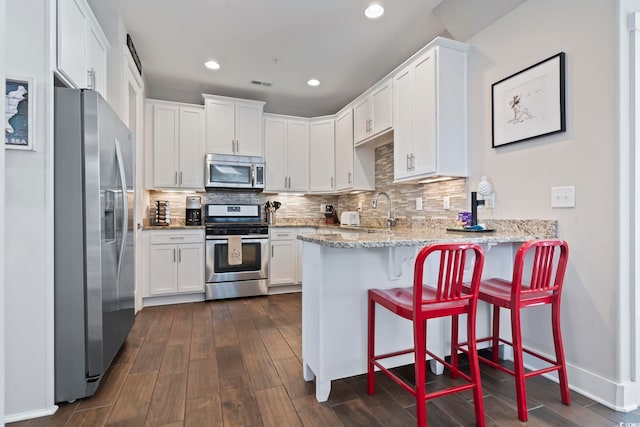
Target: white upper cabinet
81, 47
355, 166
234, 126
321, 155
176, 141
344, 150
373, 112
286, 153
430, 113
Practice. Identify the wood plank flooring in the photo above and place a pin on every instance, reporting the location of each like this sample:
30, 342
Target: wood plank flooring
238, 363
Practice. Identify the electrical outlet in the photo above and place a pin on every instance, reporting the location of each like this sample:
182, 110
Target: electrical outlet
446, 202
323, 207
563, 197
359, 207
489, 201
418, 203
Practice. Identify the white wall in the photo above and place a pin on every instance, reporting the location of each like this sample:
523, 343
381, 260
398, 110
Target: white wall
29, 226
2, 227
586, 155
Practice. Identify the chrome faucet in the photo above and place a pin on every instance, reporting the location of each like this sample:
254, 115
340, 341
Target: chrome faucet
390, 220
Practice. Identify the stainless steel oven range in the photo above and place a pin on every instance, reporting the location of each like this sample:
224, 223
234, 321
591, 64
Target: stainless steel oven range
236, 251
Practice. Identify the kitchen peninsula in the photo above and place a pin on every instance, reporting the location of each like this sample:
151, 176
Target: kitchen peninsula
338, 268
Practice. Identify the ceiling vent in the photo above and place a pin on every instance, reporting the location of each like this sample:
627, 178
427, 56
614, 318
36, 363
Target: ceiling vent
259, 83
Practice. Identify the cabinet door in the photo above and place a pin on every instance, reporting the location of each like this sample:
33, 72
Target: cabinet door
344, 151
163, 270
71, 41
190, 267
381, 108
361, 120
298, 155
248, 129
165, 146
282, 267
96, 63
321, 156
220, 126
192, 133
403, 122
275, 150
424, 116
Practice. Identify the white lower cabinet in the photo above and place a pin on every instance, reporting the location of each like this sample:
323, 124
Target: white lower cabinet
175, 262
286, 255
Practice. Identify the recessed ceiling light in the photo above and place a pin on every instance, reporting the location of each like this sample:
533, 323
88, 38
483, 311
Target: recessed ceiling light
212, 65
374, 11
313, 82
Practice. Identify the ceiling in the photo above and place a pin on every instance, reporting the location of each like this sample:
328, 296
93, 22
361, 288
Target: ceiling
285, 43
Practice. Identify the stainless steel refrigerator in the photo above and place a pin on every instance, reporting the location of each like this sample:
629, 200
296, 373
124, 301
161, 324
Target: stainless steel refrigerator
93, 239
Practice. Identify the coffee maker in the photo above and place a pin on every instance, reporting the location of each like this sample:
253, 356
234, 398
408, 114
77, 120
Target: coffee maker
193, 214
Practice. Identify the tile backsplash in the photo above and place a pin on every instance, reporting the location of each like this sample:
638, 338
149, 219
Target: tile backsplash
403, 197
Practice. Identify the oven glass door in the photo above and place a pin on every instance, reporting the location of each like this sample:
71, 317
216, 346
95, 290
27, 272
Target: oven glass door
254, 261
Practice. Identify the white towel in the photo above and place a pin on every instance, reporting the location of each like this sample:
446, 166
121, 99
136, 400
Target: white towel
234, 250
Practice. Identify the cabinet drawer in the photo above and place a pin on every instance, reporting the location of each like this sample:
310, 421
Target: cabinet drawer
283, 234
172, 237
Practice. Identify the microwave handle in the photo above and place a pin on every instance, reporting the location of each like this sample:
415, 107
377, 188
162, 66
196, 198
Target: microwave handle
253, 175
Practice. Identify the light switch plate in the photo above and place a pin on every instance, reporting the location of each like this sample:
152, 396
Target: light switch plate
418, 203
563, 197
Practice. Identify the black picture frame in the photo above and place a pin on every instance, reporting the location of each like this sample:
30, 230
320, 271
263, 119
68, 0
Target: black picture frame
19, 112
530, 103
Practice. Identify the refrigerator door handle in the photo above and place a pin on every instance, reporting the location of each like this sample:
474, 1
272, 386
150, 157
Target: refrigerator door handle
125, 207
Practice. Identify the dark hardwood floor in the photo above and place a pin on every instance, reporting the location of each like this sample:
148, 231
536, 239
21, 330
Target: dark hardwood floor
238, 363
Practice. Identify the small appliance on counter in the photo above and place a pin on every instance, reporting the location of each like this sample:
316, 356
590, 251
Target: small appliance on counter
330, 215
163, 213
193, 214
350, 218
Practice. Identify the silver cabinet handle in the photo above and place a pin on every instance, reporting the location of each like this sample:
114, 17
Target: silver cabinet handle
289, 185
285, 182
237, 147
413, 161
272, 251
408, 163
331, 182
179, 254
174, 254
91, 79
349, 178
180, 180
176, 237
175, 178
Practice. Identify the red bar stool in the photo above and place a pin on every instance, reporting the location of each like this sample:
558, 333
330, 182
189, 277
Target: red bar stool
544, 286
420, 303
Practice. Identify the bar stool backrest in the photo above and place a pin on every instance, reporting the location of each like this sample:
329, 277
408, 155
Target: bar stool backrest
546, 270
450, 274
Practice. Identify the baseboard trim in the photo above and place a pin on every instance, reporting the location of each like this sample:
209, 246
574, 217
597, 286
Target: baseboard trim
621, 397
21, 416
172, 299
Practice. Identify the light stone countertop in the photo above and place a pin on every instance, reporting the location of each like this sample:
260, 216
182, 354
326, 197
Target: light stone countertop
506, 231
173, 226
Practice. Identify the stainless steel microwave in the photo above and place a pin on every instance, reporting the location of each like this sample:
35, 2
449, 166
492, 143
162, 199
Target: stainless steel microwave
234, 172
